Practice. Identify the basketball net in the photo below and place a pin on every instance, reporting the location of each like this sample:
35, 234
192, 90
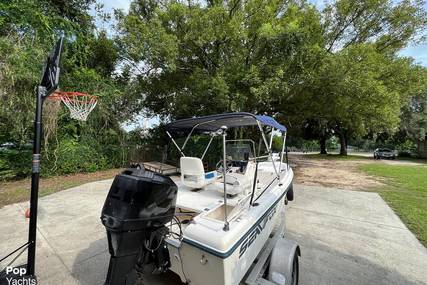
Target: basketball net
79, 104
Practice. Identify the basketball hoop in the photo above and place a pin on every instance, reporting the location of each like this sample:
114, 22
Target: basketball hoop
79, 104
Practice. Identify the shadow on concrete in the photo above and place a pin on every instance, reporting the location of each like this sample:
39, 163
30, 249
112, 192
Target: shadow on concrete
320, 264
91, 265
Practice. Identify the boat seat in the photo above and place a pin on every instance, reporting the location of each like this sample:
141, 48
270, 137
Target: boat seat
238, 182
193, 173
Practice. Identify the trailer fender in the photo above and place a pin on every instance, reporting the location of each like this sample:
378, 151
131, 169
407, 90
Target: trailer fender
281, 261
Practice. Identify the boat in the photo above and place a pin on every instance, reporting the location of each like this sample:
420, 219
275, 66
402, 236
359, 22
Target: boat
219, 226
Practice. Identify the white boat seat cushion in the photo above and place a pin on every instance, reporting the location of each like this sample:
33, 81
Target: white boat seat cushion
240, 182
237, 183
193, 174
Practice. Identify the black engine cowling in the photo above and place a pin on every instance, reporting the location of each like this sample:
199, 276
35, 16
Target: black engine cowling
138, 206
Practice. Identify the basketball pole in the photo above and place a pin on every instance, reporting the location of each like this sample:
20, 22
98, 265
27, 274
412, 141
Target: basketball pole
48, 85
35, 179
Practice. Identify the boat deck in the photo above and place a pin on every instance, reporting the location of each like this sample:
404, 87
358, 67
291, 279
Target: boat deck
193, 202
203, 210
211, 196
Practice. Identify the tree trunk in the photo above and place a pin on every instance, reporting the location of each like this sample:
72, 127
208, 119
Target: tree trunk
323, 145
343, 143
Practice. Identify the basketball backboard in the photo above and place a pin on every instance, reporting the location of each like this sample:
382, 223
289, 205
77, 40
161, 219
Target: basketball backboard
50, 78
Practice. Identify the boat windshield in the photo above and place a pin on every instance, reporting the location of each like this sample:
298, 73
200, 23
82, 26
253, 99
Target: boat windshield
239, 152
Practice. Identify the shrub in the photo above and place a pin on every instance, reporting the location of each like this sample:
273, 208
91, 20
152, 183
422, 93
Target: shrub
15, 163
406, 148
72, 156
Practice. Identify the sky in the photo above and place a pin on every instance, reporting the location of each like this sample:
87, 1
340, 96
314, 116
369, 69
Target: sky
418, 52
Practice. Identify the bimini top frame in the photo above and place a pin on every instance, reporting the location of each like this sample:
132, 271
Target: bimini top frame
218, 125
213, 123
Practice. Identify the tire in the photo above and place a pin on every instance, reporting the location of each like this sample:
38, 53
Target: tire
290, 193
295, 270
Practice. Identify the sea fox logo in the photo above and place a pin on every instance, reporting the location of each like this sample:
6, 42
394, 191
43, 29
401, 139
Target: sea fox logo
255, 232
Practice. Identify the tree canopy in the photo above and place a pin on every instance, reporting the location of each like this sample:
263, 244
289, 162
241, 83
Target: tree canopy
194, 59
337, 68
325, 72
28, 30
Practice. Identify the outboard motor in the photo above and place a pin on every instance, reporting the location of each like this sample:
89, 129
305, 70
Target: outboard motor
138, 206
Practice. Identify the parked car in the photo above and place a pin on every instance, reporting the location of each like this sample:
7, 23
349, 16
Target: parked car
384, 153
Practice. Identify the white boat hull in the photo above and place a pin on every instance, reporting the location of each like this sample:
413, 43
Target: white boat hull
208, 255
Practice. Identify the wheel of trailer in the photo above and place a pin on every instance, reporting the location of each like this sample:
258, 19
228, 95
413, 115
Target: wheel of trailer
290, 193
295, 269
284, 263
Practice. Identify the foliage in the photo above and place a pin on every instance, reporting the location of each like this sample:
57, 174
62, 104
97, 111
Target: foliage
73, 156
361, 90
277, 143
360, 83
324, 73
202, 58
27, 32
335, 69
406, 148
389, 25
332, 143
414, 116
15, 163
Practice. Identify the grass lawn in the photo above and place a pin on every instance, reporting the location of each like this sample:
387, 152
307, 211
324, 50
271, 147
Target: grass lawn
406, 193
334, 156
19, 191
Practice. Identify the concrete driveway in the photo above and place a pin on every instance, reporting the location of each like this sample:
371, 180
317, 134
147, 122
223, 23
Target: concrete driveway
346, 237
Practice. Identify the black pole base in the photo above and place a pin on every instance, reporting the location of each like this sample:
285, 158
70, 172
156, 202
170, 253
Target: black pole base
17, 275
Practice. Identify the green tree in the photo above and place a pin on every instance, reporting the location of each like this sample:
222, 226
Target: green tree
389, 25
193, 58
414, 116
28, 29
359, 91
360, 83
337, 69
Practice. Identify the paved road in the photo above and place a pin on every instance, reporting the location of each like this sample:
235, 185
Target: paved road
346, 237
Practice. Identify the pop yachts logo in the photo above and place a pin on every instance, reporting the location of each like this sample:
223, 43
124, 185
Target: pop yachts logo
16, 276
256, 232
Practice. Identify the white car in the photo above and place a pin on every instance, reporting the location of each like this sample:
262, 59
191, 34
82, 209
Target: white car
384, 153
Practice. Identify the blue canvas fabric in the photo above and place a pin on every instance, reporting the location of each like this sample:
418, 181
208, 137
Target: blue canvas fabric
270, 121
215, 122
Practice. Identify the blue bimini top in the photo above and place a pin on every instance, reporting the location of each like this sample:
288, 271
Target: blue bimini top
212, 123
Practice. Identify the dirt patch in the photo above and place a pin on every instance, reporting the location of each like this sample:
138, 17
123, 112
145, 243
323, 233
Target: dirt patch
19, 191
332, 173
